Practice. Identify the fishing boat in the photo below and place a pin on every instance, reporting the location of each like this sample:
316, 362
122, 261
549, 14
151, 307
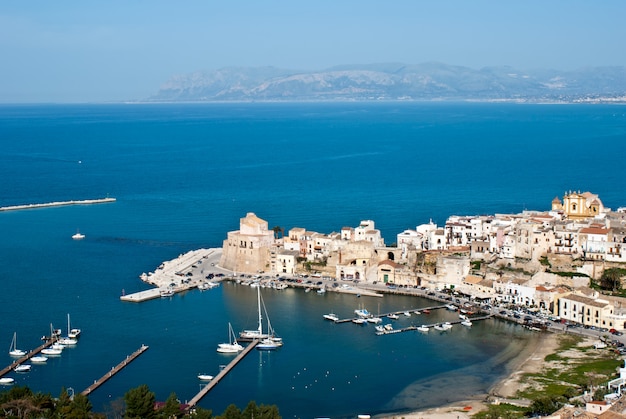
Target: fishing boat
39, 359
13, 351
22, 368
232, 347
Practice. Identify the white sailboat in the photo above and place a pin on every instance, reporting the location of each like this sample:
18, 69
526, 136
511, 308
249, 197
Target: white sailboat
232, 347
68, 340
72, 333
249, 335
13, 351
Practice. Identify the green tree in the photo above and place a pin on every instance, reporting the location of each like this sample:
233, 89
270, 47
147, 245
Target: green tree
544, 406
79, 408
200, 413
611, 279
171, 409
231, 412
140, 403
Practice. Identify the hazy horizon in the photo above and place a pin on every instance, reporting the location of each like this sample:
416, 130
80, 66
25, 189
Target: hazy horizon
117, 51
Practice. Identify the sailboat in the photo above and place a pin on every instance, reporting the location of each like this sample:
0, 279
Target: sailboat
232, 347
72, 333
13, 351
67, 340
249, 335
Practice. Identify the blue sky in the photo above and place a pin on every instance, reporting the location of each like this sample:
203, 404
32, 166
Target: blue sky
72, 51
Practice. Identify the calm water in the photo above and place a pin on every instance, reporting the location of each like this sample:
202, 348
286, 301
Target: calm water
184, 175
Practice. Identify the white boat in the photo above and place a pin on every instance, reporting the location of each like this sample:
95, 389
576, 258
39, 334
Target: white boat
423, 328
379, 328
388, 327
78, 236
268, 344
22, 368
359, 320
321, 290
13, 351
166, 292
205, 377
417, 312
462, 316
451, 307
232, 347
362, 312
65, 341
39, 359
331, 316
51, 351
393, 316
407, 313
374, 320
248, 335
467, 323
440, 327
6, 381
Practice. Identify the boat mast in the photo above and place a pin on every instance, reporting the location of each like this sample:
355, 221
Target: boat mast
259, 304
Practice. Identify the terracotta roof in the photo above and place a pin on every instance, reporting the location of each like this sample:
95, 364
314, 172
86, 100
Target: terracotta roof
594, 230
473, 279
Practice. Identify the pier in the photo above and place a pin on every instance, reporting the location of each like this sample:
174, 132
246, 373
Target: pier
221, 374
58, 204
430, 326
25, 358
412, 310
114, 370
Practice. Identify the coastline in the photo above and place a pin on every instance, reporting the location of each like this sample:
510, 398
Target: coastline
530, 360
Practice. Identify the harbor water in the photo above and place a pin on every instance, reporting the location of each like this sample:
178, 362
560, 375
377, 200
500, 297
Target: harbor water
183, 176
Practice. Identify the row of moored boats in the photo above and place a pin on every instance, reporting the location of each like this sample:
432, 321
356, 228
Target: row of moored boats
55, 349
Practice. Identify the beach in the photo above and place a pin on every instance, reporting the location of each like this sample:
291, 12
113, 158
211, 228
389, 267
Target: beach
529, 360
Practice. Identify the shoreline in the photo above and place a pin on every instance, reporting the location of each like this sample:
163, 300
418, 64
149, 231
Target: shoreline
529, 360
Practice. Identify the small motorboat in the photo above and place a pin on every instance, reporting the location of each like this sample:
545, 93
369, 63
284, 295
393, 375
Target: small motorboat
393, 316
39, 359
22, 368
331, 316
6, 381
423, 329
78, 236
205, 377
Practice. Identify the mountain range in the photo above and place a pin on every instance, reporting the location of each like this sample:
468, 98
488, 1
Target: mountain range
428, 81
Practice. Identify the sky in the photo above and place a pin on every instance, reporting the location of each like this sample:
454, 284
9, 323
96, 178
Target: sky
117, 50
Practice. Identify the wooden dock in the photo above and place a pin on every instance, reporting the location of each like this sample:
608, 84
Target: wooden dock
221, 374
25, 358
114, 370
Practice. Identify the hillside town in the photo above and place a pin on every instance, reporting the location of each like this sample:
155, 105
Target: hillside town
541, 260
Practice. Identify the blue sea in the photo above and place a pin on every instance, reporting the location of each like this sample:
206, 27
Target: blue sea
184, 174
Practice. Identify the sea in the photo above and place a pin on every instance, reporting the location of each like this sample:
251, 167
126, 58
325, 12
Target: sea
183, 175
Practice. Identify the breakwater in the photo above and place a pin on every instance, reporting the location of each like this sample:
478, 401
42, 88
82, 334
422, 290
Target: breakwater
58, 204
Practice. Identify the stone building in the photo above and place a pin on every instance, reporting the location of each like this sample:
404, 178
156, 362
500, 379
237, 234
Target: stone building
248, 249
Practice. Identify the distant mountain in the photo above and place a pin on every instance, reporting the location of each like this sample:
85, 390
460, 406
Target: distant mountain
428, 81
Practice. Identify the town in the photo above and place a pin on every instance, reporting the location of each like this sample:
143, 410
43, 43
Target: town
543, 261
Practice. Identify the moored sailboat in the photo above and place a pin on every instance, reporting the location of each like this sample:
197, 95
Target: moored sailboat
232, 347
13, 351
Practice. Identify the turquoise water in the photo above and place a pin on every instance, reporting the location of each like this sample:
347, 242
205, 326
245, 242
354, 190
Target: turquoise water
184, 175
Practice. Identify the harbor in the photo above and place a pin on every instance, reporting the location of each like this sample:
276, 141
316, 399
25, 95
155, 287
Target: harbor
58, 204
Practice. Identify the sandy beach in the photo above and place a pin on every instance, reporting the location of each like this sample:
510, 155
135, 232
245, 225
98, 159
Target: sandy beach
530, 360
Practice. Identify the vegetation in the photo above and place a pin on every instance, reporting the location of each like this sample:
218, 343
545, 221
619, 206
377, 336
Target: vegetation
140, 402
611, 279
544, 261
475, 265
581, 369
